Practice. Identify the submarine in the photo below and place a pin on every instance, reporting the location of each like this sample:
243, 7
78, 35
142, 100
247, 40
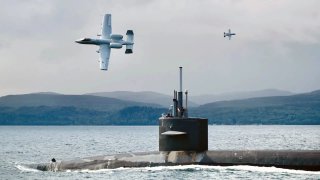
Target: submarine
183, 140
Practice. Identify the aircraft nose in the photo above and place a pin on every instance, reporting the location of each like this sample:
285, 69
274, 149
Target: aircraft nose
79, 41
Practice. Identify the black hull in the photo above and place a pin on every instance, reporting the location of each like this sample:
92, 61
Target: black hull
289, 159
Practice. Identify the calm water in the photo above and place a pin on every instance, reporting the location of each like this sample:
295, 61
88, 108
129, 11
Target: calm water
37, 144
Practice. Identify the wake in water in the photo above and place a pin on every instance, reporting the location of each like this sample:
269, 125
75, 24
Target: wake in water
188, 168
26, 168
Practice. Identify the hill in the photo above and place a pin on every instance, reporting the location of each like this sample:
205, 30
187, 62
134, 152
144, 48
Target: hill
58, 100
58, 109
55, 109
143, 96
203, 99
295, 109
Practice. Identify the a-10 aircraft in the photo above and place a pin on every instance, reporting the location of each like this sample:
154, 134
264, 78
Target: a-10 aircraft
107, 41
229, 34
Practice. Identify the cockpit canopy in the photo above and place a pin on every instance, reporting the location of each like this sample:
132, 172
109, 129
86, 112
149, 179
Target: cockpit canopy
85, 39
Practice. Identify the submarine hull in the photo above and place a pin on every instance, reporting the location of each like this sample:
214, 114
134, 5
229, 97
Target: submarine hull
184, 140
289, 159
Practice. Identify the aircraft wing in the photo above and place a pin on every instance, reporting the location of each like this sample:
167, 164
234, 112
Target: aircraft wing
104, 56
106, 26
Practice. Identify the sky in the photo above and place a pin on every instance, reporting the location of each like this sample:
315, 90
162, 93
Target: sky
277, 46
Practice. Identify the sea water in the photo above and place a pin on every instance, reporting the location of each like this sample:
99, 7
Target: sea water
20, 145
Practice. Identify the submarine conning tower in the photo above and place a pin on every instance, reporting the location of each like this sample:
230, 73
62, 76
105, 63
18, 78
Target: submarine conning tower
177, 131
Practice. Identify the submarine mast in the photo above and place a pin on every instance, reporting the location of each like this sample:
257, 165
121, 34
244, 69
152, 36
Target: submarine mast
178, 110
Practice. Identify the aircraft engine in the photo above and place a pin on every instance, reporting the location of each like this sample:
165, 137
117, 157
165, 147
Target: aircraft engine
116, 45
116, 36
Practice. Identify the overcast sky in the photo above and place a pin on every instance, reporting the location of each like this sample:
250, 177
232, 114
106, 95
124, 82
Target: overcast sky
277, 45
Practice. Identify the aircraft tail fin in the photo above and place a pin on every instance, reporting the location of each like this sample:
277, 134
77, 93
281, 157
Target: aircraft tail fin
130, 40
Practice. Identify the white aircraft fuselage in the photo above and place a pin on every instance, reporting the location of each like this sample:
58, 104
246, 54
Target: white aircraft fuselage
108, 41
103, 41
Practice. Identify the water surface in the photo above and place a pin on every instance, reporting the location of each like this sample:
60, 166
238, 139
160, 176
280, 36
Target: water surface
37, 144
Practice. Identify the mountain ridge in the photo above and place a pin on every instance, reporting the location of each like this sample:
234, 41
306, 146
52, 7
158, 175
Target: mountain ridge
81, 101
140, 96
94, 110
208, 98
295, 109
166, 100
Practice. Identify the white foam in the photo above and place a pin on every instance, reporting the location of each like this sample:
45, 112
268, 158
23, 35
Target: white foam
240, 168
271, 169
25, 168
92, 171
185, 167
204, 167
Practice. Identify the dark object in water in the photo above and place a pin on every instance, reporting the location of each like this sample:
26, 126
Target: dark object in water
184, 141
53, 160
290, 159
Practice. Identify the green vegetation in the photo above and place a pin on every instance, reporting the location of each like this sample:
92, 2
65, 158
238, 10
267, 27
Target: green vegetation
297, 109
45, 115
41, 109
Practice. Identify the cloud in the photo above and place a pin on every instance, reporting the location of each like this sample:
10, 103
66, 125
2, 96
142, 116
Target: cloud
276, 46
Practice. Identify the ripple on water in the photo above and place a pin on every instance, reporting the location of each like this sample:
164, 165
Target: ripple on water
39, 144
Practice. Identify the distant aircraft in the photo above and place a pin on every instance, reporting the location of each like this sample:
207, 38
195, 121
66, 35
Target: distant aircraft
108, 41
229, 34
